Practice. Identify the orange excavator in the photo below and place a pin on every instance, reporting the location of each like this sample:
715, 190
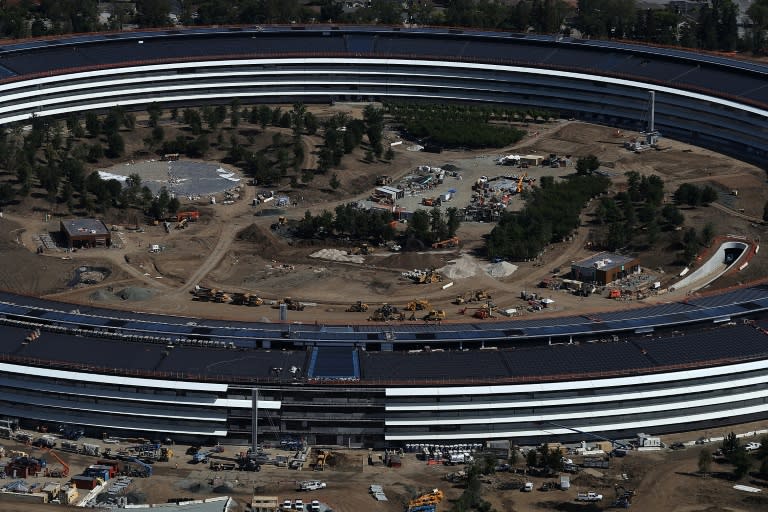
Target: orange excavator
520, 183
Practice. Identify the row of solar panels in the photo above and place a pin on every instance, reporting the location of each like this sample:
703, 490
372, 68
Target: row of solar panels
718, 308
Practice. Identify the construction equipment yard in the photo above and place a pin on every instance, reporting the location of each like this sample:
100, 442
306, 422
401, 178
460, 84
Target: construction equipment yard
231, 248
344, 481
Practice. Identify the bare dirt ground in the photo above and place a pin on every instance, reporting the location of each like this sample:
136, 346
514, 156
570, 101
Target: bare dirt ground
220, 252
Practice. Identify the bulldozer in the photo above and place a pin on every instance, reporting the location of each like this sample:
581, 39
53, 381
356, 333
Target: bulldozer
474, 296
435, 315
418, 305
363, 249
358, 307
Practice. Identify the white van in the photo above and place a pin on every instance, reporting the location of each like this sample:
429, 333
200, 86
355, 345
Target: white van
527, 487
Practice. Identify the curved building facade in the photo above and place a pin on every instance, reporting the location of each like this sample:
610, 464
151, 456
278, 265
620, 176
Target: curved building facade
697, 363
714, 102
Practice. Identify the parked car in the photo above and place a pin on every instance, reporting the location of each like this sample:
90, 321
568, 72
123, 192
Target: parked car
527, 487
677, 446
752, 446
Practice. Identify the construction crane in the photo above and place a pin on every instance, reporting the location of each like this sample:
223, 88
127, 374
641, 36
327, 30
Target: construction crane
64, 466
482, 312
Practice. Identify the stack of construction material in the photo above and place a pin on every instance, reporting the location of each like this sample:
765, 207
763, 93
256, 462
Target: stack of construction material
378, 492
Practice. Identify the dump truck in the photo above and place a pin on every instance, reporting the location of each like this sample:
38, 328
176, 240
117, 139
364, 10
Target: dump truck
202, 293
247, 299
358, 307
473, 296
221, 297
418, 305
435, 315
429, 277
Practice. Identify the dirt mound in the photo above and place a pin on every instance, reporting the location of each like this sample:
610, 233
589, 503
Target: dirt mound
135, 293
461, 268
102, 295
253, 233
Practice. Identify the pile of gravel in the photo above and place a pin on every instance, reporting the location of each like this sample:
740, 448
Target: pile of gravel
500, 269
337, 255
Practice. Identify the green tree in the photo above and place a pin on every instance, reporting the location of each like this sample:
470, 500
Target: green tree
265, 116
334, 182
95, 152
587, 165
514, 455
92, 124
741, 461
705, 461
690, 245
192, 118
708, 195
158, 134
155, 111
531, 458
419, 226
310, 123
730, 444
708, 234
672, 215
115, 145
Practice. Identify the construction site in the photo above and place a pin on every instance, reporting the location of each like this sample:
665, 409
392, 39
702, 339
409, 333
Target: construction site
212, 258
289, 476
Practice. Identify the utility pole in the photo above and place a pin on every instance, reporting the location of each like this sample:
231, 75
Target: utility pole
254, 420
